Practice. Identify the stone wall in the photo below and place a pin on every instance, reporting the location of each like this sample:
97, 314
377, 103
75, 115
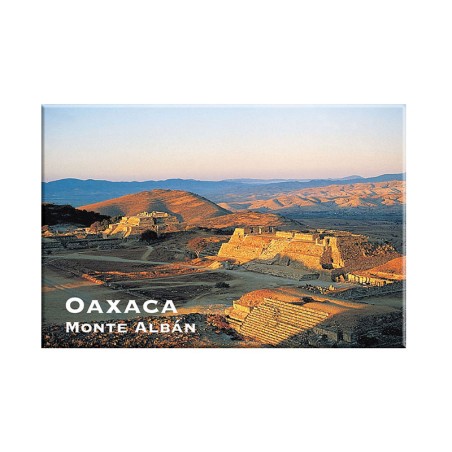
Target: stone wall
283, 271
281, 246
136, 225
325, 324
325, 252
275, 248
75, 244
284, 234
306, 237
244, 248
335, 253
362, 292
373, 281
306, 253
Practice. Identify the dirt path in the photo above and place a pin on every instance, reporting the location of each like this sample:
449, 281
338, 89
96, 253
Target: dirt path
58, 287
113, 259
146, 254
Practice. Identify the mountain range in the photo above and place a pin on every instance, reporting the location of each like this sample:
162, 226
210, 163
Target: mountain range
77, 192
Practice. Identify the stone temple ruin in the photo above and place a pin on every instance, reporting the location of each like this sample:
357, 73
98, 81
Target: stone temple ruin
318, 323
294, 318
330, 253
133, 226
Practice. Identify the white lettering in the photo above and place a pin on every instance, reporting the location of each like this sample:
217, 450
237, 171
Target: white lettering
150, 311
99, 327
140, 327
94, 306
132, 306
122, 328
151, 329
72, 327
113, 306
86, 328
191, 328
76, 305
81, 305
169, 306
176, 327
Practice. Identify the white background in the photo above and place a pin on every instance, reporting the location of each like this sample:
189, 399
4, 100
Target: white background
175, 52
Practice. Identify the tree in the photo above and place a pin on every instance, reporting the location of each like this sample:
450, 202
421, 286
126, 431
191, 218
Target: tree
197, 245
148, 236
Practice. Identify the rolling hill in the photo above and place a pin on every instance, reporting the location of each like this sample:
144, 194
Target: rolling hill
186, 206
374, 195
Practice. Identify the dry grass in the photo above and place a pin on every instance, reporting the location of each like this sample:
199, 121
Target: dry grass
188, 207
393, 269
350, 195
256, 297
243, 219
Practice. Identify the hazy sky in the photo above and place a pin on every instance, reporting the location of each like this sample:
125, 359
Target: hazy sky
212, 143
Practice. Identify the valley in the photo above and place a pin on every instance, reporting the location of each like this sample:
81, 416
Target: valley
325, 246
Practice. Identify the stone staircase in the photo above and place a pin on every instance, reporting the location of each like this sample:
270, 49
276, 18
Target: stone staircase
275, 247
275, 321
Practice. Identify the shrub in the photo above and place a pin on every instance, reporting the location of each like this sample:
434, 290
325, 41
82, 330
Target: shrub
222, 285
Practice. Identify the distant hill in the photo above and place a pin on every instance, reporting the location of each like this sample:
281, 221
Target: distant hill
375, 195
83, 192
186, 206
79, 192
354, 177
267, 191
53, 214
273, 181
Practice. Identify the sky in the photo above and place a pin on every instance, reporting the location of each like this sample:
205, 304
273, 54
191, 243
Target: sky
138, 143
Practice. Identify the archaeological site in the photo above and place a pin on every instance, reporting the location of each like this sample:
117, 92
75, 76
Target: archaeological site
250, 285
264, 226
